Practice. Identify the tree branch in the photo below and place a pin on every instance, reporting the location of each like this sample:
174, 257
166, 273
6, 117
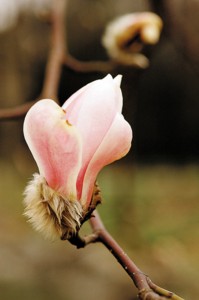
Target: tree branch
147, 290
88, 66
58, 56
15, 112
58, 49
53, 66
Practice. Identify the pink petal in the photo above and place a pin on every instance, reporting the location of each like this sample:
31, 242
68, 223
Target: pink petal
55, 145
92, 110
116, 81
115, 145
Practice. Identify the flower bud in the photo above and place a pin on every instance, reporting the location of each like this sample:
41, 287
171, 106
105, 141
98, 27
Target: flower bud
125, 37
70, 145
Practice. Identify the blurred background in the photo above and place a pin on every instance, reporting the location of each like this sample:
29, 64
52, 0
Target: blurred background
151, 197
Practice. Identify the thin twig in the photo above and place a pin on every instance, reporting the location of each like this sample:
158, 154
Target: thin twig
58, 57
147, 290
88, 66
133, 271
54, 63
159, 290
81, 242
15, 112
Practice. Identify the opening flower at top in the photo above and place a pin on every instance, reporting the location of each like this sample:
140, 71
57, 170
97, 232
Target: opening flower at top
70, 145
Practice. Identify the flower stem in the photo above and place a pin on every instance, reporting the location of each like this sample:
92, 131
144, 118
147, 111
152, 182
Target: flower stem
104, 237
147, 289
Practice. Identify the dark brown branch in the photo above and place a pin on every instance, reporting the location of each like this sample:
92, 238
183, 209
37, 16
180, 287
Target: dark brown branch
147, 290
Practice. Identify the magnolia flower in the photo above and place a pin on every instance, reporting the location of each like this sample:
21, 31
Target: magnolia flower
125, 37
70, 145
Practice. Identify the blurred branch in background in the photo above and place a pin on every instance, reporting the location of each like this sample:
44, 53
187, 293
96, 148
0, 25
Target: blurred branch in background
125, 45
57, 51
16, 112
54, 63
57, 57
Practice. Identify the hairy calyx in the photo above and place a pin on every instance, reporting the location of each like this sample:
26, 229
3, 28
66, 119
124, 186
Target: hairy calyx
49, 212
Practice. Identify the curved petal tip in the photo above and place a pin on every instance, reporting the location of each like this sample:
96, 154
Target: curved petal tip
118, 80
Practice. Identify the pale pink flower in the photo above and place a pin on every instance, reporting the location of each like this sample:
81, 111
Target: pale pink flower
70, 145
